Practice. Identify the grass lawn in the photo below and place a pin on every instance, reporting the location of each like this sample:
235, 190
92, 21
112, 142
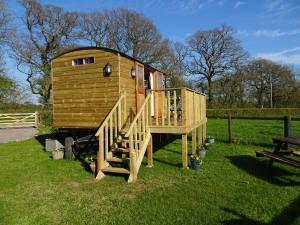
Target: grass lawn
233, 188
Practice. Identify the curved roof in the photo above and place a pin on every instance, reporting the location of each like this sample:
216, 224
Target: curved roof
104, 49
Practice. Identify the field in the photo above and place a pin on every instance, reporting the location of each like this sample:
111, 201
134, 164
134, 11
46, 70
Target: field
233, 187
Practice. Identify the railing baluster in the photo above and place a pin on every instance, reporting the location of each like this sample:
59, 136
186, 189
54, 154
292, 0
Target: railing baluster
116, 124
119, 118
135, 138
163, 108
110, 132
175, 107
156, 107
106, 140
143, 123
169, 108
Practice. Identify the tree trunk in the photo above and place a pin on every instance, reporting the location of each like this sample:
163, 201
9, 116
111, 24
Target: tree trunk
209, 85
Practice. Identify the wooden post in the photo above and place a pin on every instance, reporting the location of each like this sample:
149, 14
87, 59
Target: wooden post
200, 137
36, 119
184, 151
287, 129
229, 129
150, 153
100, 158
194, 141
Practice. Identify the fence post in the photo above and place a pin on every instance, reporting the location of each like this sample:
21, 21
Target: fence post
287, 128
36, 119
229, 129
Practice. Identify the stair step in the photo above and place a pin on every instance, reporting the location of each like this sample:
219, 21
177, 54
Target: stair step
122, 150
117, 159
115, 170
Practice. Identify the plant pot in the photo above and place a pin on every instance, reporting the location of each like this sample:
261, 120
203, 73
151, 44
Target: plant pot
58, 154
93, 166
195, 164
202, 153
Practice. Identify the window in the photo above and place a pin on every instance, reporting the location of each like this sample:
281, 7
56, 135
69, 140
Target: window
160, 80
140, 76
89, 60
81, 61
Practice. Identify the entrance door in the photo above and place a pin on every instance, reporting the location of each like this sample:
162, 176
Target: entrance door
140, 89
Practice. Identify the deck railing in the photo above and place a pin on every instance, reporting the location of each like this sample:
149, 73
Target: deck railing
178, 107
139, 137
110, 129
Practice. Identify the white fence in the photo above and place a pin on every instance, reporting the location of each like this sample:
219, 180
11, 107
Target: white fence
19, 120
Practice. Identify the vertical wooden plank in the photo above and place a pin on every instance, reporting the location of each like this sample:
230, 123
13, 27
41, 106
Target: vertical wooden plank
100, 153
119, 117
184, 151
116, 124
149, 112
156, 107
143, 123
147, 115
168, 108
200, 140
106, 140
132, 159
111, 131
36, 119
175, 108
204, 132
125, 107
150, 153
135, 138
194, 141
183, 107
163, 108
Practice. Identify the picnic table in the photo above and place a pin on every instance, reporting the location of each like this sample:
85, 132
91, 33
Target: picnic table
281, 151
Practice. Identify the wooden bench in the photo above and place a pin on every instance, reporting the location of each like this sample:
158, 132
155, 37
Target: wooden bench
279, 155
279, 158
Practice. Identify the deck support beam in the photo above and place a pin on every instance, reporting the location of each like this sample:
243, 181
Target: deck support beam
150, 153
184, 151
194, 141
200, 136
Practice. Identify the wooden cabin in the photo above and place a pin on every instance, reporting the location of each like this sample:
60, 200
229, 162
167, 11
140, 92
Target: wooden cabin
123, 101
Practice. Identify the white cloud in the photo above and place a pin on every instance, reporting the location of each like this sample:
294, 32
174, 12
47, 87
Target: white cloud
287, 56
238, 4
278, 7
275, 33
269, 33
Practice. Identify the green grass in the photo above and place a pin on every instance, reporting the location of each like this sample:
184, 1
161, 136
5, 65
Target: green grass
233, 187
255, 132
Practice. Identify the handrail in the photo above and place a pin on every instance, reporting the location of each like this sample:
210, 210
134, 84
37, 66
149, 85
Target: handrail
179, 88
110, 114
138, 115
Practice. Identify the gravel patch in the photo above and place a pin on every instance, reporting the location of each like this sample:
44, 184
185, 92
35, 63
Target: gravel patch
16, 134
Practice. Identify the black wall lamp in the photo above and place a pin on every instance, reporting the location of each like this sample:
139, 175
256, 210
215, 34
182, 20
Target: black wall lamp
107, 69
133, 72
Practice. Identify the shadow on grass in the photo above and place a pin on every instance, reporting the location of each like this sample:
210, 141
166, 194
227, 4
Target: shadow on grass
179, 165
287, 217
260, 169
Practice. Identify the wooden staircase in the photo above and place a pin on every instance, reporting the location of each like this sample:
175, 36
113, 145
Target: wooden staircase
123, 142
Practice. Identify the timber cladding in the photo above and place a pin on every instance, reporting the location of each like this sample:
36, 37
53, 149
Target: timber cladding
82, 95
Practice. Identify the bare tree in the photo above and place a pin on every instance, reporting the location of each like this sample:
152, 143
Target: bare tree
6, 31
124, 30
214, 53
48, 29
94, 28
172, 63
271, 83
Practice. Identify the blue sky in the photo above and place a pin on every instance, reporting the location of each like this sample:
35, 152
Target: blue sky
266, 28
